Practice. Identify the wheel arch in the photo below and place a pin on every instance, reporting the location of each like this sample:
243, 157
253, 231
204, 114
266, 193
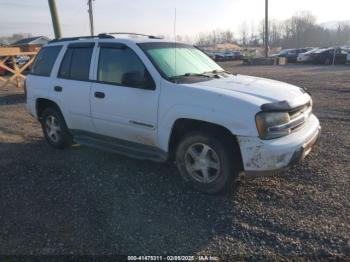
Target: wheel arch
183, 126
42, 103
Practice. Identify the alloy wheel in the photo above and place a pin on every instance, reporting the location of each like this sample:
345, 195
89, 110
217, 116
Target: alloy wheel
202, 163
53, 128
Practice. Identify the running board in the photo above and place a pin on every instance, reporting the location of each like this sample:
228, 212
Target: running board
126, 148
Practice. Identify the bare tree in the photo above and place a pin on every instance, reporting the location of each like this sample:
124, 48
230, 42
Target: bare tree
244, 33
227, 36
301, 30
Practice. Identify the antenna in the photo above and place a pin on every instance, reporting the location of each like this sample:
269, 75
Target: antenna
91, 17
175, 39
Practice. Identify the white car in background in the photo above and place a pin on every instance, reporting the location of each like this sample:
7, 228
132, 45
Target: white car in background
305, 57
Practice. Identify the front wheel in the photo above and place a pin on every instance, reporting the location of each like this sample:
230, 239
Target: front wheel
207, 163
55, 128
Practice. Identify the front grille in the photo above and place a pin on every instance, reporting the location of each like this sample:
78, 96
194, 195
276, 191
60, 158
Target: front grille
299, 111
300, 116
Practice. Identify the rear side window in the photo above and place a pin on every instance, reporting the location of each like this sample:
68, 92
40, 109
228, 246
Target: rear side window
45, 60
76, 63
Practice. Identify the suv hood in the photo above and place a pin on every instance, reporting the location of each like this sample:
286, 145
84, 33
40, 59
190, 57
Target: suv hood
264, 90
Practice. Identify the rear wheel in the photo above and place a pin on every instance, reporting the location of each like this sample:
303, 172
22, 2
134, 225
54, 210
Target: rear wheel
55, 128
207, 163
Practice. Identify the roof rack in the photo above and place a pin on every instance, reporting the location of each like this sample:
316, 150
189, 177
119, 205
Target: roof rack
101, 36
135, 34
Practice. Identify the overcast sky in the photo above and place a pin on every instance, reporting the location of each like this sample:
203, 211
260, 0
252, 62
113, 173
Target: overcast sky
157, 16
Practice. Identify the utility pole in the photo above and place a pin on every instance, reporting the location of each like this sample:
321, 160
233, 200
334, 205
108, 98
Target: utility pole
91, 17
266, 28
55, 20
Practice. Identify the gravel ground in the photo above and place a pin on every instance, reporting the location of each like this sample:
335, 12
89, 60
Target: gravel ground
84, 201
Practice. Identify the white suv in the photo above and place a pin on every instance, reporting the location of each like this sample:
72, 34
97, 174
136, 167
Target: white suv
152, 99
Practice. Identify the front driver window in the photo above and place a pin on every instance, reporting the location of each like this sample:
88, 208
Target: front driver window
121, 66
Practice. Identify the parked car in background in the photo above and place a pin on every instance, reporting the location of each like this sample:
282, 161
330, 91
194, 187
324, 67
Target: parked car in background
326, 56
228, 55
224, 56
237, 55
305, 57
210, 54
282, 53
291, 54
348, 58
21, 60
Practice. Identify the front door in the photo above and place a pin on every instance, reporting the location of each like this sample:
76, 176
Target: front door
124, 99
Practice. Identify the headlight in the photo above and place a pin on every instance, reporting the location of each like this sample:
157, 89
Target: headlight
272, 124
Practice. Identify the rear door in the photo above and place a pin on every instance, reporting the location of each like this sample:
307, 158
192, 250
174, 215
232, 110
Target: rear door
71, 88
124, 98
39, 80
340, 56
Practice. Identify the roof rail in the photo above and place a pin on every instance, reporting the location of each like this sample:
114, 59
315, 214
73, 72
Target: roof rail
101, 36
135, 34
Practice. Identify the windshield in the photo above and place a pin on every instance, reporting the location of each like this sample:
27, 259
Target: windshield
312, 51
284, 52
177, 61
321, 51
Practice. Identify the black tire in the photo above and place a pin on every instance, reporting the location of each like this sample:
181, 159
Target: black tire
63, 137
228, 160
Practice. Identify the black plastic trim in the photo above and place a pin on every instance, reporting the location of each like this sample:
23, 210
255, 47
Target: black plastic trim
112, 45
286, 106
81, 45
131, 149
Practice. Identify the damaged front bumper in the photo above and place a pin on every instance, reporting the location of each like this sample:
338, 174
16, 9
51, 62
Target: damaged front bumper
270, 157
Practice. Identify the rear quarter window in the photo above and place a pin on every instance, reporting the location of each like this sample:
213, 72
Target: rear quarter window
45, 60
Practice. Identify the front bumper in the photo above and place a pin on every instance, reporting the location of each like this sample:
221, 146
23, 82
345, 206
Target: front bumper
269, 157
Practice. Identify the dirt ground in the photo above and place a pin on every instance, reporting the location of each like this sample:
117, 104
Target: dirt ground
85, 201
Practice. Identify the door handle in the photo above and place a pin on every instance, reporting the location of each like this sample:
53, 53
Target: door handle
58, 88
99, 95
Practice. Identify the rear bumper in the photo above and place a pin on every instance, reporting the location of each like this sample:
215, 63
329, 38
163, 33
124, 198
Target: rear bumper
271, 157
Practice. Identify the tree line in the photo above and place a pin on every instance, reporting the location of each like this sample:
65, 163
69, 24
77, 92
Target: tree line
301, 30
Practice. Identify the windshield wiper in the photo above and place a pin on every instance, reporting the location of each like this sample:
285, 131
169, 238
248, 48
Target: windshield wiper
190, 75
221, 71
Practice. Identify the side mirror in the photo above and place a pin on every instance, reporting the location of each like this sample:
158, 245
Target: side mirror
138, 79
